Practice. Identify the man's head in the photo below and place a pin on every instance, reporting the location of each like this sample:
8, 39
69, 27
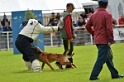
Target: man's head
103, 3
70, 7
83, 13
52, 14
4, 17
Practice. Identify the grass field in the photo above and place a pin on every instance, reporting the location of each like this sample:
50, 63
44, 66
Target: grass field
12, 68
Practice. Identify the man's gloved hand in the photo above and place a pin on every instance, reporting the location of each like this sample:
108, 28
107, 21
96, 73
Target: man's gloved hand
109, 42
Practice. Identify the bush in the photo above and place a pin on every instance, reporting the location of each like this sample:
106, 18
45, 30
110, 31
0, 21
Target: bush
29, 15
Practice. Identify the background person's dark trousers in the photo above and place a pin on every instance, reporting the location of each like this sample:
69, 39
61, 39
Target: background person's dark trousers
68, 47
101, 59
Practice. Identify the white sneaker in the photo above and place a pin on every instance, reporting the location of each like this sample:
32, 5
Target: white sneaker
36, 66
28, 65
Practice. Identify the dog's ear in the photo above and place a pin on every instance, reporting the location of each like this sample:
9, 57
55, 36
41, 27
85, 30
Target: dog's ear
37, 50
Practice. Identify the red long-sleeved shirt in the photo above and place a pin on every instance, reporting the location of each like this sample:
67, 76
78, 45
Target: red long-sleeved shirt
101, 21
68, 25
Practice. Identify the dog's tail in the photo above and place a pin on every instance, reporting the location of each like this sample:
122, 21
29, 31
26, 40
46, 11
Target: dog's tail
70, 56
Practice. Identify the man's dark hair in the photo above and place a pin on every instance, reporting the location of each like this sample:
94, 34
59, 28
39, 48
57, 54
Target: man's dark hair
24, 23
103, 4
69, 4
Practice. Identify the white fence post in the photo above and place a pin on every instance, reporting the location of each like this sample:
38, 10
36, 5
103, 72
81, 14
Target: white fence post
7, 40
91, 39
51, 39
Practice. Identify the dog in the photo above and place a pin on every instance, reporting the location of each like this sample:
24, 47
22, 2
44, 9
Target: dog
47, 58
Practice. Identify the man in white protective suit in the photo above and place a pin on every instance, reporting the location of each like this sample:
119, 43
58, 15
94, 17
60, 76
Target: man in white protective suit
32, 28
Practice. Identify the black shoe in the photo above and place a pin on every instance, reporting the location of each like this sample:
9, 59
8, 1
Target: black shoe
94, 78
68, 66
120, 76
59, 65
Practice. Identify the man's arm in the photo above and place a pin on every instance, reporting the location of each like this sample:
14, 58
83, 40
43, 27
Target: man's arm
48, 29
109, 28
68, 24
89, 27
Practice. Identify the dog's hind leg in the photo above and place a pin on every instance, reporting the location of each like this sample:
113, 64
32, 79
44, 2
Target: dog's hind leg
68, 63
65, 63
74, 65
42, 65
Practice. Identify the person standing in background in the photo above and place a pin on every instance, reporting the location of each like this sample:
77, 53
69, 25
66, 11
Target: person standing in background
7, 27
67, 32
83, 15
51, 20
4, 20
1, 27
100, 26
58, 16
121, 20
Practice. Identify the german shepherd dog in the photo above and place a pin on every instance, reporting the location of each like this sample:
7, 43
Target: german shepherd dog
47, 58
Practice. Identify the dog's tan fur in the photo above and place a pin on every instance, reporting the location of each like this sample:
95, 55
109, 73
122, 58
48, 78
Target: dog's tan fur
47, 58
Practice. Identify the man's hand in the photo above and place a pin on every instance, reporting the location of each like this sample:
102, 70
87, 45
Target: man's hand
71, 40
109, 43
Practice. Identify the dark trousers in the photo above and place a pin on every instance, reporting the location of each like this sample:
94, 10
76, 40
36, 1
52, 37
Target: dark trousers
23, 44
68, 47
101, 59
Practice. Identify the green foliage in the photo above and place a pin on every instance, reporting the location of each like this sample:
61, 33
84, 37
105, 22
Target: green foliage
29, 15
12, 67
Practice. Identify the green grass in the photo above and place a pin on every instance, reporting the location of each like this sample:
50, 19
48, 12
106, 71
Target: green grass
12, 68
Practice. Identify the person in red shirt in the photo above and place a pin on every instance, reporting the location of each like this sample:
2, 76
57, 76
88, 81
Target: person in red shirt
121, 19
67, 32
100, 26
